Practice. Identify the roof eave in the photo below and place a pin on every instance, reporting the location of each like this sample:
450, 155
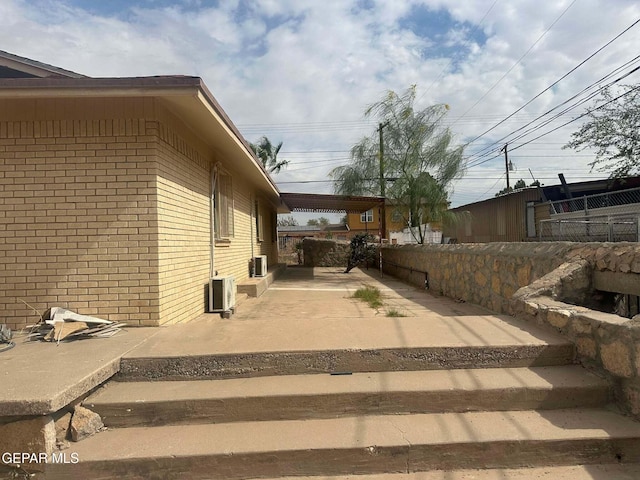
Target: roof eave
188, 95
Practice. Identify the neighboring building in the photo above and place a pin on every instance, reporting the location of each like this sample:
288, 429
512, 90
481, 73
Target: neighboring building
592, 212
507, 218
369, 221
111, 191
290, 235
411, 236
535, 213
13, 66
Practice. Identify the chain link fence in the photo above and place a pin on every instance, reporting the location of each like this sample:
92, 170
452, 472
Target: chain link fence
625, 201
592, 229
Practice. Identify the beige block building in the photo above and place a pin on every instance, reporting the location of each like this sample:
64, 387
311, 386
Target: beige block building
121, 197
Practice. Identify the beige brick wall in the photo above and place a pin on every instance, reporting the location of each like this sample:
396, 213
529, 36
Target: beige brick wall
109, 215
233, 257
77, 212
183, 224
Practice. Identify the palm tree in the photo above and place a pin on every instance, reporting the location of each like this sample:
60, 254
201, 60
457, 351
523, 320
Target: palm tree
268, 154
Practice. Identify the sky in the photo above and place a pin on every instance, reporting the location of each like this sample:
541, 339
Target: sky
303, 72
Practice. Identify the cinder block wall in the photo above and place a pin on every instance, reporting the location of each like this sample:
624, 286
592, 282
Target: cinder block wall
78, 210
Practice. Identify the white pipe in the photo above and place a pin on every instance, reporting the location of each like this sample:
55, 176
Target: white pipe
253, 223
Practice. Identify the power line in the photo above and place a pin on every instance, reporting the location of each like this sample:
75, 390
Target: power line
486, 151
581, 102
563, 125
560, 79
577, 118
517, 62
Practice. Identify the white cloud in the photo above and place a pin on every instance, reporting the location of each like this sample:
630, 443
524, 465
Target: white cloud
305, 70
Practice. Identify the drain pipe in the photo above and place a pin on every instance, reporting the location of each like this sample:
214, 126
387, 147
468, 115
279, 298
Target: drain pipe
252, 267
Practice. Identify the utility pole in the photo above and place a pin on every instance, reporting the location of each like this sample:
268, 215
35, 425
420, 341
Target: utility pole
382, 210
382, 181
506, 163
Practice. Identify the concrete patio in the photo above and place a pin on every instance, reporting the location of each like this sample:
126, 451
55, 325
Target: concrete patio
305, 310
427, 361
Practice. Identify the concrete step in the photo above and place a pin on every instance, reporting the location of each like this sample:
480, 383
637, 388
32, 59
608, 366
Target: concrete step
579, 472
129, 404
145, 367
358, 445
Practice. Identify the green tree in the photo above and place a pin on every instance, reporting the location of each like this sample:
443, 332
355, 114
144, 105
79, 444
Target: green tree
613, 132
519, 184
318, 222
419, 156
268, 154
287, 221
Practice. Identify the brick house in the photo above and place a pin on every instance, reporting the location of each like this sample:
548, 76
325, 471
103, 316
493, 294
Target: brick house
111, 191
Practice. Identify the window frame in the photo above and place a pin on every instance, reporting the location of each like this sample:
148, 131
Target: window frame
259, 221
364, 216
223, 207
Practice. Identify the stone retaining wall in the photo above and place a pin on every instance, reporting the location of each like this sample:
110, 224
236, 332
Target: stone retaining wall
544, 283
486, 274
319, 252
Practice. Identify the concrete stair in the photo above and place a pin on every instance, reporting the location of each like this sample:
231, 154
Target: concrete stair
361, 445
510, 422
326, 361
297, 397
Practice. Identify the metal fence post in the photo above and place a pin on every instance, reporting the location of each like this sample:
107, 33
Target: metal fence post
610, 230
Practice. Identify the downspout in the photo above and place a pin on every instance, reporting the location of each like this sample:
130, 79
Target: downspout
252, 271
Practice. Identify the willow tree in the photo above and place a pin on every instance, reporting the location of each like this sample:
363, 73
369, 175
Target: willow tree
419, 162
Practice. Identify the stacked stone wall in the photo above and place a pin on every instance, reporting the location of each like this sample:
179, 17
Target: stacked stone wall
547, 284
485, 274
319, 252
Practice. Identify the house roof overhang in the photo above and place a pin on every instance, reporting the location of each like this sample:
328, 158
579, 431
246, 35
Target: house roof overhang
28, 67
312, 202
187, 97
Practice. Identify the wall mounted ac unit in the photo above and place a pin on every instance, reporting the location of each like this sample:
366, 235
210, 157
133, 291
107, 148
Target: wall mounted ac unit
260, 265
222, 294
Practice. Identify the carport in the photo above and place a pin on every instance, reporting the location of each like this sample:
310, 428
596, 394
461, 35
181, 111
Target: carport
323, 203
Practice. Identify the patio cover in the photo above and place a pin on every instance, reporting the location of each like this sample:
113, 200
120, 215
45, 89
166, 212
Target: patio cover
313, 202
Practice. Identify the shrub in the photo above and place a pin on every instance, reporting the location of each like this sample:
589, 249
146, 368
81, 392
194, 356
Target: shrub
360, 251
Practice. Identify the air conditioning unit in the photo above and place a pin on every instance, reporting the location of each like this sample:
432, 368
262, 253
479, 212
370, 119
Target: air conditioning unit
222, 294
260, 265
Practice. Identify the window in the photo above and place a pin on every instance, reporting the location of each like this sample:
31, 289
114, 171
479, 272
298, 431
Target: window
396, 216
223, 207
367, 217
259, 222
